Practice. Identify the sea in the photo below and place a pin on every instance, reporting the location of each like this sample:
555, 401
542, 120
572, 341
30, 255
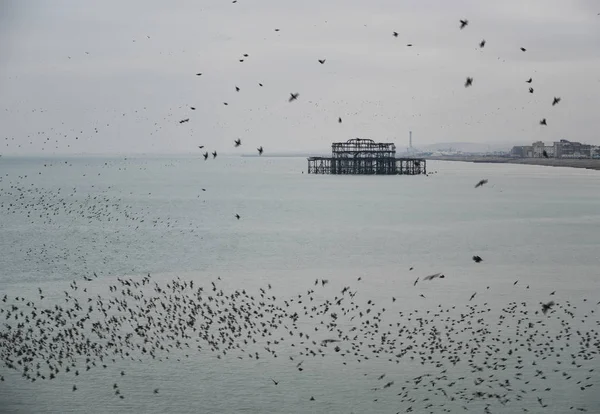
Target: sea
95, 221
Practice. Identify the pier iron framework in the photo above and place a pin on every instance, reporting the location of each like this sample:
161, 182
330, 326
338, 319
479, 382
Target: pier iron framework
365, 157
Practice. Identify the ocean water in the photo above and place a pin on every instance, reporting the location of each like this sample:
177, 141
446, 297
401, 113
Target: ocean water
66, 219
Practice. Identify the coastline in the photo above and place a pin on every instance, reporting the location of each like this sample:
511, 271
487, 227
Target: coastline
590, 164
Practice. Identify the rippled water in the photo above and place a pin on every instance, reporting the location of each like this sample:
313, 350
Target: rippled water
537, 225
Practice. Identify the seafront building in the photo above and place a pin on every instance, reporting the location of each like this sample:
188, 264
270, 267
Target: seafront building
560, 149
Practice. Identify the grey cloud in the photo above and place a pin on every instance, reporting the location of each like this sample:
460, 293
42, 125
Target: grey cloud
378, 85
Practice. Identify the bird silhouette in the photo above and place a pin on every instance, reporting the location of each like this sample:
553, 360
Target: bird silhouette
463, 23
547, 306
260, 150
214, 154
434, 276
477, 259
205, 155
555, 101
523, 49
468, 82
322, 61
529, 80
237, 142
395, 34
530, 90
339, 120
293, 97
543, 122
482, 43
237, 216
480, 183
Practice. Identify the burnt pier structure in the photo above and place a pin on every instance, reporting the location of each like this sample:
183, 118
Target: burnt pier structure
365, 157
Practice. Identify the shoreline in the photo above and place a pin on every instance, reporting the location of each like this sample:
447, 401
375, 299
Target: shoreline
590, 164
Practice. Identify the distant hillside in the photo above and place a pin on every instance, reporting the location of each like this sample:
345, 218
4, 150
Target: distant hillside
468, 147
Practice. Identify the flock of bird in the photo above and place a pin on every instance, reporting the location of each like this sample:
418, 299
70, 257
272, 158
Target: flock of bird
471, 353
469, 82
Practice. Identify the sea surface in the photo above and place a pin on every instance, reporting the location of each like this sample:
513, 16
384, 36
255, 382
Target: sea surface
537, 229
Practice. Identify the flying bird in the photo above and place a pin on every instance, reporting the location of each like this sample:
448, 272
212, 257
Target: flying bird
435, 276
198, 74
322, 61
477, 259
555, 101
463, 23
193, 108
547, 306
237, 216
529, 80
409, 45
482, 43
275, 382
184, 120
339, 120
480, 183
200, 146
395, 34
237, 89
238, 142
543, 122
530, 90
205, 155
468, 82
293, 97
523, 49
472, 296
260, 150
214, 154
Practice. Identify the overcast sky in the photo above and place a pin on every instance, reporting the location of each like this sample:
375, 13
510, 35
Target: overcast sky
110, 76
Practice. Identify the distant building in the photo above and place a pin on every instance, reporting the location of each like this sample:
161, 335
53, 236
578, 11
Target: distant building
538, 149
561, 149
523, 151
572, 149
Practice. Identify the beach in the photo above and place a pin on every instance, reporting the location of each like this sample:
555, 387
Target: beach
590, 164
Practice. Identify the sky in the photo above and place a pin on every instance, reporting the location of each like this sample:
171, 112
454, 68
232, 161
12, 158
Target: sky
105, 77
